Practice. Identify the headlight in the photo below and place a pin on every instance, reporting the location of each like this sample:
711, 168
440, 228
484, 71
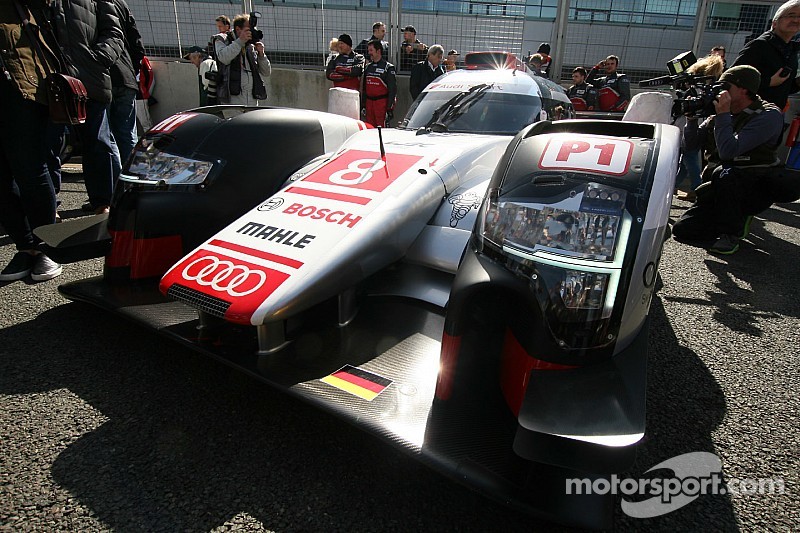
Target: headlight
570, 252
152, 166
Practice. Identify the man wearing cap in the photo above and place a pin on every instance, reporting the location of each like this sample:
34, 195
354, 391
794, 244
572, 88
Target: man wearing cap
205, 65
544, 51
451, 61
426, 71
740, 143
412, 51
345, 69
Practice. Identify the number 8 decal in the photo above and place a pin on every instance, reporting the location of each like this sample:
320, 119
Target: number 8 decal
362, 169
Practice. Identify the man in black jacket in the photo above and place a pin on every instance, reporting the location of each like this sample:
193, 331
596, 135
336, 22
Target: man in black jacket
774, 54
412, 50
91, 39
122, 113
426, 71
378, 34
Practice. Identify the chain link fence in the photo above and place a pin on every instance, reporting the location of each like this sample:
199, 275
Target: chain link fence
643, 33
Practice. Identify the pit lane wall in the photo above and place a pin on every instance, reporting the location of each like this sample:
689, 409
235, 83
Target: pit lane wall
177, 89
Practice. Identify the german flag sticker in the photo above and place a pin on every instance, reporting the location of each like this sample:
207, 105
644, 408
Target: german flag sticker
358, 382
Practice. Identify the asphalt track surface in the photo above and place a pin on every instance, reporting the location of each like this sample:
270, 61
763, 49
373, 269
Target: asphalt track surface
107, 426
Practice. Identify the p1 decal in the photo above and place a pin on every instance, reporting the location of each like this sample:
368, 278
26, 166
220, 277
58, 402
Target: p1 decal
358, 382
590, 154
241, 283
353, 172
168, 125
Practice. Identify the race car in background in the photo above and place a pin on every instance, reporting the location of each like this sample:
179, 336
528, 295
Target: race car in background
472, 286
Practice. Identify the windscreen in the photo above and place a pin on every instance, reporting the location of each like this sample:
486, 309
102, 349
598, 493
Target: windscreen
494, 113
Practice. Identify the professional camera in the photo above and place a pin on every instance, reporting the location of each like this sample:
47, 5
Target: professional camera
695, 94
255, 34
698, 100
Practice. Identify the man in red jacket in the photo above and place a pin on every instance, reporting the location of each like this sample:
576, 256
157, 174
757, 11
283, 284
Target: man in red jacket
379, 87
345, 69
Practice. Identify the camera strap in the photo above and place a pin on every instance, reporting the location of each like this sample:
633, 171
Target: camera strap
259, 90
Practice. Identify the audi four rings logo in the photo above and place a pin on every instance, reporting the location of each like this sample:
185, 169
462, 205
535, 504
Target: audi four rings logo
271, 204
225, 276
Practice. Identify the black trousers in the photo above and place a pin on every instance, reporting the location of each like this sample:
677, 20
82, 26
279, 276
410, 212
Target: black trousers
27, 198
724, 203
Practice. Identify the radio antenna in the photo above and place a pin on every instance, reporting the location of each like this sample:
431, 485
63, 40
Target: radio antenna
383, 152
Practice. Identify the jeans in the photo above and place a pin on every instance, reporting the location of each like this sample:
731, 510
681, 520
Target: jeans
122, 119
55, 140
27, 199
101, 164
690, 167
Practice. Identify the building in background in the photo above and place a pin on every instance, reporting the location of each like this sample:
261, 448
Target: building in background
643, 33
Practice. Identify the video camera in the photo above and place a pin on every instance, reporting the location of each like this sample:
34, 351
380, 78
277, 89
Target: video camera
695, 94
255, 34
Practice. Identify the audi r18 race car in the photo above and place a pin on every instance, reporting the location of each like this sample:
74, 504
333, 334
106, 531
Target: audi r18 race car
472, 286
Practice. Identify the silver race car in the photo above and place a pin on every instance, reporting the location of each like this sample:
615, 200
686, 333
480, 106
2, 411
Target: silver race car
472, 286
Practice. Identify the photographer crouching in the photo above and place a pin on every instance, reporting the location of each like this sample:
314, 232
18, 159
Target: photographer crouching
242, 63
740, 143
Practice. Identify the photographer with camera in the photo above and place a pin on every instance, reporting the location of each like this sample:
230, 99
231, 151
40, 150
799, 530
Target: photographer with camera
740, 142
774, 54
412, 51
242, 63
709, 67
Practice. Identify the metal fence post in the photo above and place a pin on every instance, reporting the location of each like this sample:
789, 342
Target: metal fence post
700, 26
394, 30
560, 40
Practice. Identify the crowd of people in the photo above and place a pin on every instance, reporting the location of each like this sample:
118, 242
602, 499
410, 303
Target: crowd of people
738, 142
729, 157
97, 42
366, 69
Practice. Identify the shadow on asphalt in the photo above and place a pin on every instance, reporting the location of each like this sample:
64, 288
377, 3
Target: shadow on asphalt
761, 273
685, 404
190, 443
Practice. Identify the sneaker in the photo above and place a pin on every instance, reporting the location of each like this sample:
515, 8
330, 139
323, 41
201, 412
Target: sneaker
725, 245
87, 207
45, 268
746, 230
19, 267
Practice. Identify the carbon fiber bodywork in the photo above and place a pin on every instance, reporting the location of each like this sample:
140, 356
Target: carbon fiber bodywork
395, 295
